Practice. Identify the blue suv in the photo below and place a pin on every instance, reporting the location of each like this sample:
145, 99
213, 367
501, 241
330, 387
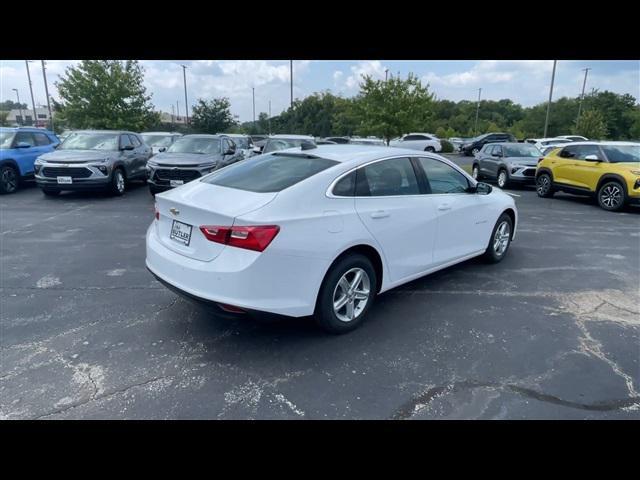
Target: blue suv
19, 148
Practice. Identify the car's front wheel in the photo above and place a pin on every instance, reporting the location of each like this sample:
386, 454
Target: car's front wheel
118, 183
611, 196
503, 178
475, 172
8, 179
500, 239
475, 151
346, 294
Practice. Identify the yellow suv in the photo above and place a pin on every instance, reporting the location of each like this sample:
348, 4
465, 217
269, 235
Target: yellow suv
609, 171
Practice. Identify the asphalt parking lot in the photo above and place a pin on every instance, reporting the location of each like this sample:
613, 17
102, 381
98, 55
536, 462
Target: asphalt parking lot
86, 333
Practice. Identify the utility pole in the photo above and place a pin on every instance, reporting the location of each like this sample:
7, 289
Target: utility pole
386, 74
19, 105
475, 125
546, 121
291, 79
46, 89
186, 102
269, 117
172, 117
586, 71
33, 103
253, 93
178, 110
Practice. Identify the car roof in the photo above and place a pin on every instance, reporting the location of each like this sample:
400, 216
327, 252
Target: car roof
206, 135
596, 142
160, 133
350, 153
234, 135
293, 137
24, 129
104, 131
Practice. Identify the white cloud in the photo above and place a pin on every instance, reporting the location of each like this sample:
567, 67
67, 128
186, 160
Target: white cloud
373, 68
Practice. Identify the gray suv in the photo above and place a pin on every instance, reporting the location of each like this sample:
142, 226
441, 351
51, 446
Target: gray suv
507, 163
93, 159
188, 158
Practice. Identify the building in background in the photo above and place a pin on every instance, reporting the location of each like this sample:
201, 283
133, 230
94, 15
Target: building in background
42, 120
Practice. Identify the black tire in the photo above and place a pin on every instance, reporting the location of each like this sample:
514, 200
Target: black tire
475, 172
153, 190
611, 196
430, 149
503, 177
50, 192
475, 151
544, 185
9, 179
325, 315
493, 254
118, 182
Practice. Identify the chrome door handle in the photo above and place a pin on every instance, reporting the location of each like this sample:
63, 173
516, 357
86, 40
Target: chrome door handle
444, 206
380, 214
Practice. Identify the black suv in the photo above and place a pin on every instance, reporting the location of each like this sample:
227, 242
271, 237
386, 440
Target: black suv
476, 144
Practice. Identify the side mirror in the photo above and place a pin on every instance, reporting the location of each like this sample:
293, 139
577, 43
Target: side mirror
592, 158
257, 150
162, 149
496, 154
482, 188
127, 147
23, 145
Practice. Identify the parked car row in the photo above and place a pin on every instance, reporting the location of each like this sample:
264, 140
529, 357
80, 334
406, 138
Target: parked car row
607, 171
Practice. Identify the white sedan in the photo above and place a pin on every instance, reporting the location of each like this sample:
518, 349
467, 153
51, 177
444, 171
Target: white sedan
320, 230
418, 141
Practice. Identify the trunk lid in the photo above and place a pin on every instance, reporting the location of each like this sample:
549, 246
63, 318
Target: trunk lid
198, 203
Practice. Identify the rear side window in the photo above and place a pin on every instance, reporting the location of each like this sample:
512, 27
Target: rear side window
271, 173
346, 187
388, 178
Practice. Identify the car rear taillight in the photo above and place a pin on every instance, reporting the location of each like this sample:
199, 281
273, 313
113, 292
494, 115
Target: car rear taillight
253, 237
157, 212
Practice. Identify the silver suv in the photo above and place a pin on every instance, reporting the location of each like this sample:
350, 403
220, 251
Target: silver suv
188, 158
93, 159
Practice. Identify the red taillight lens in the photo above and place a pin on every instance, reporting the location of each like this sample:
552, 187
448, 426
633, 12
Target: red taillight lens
157, 212
254, 237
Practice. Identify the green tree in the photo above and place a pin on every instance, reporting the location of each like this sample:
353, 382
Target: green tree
105, 94
212, 116
9, 105
392, 108
592, 125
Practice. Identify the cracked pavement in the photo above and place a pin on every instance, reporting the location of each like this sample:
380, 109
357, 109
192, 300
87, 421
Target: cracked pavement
86, 333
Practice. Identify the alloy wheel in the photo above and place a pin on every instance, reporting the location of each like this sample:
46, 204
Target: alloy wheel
9, 180
502, 179
611, 196
351, 295
501, 238
543, 184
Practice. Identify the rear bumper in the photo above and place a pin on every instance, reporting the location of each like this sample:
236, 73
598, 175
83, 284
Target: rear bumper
259, 282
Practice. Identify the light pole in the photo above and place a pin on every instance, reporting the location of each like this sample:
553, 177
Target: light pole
46, 90
269, 117
586, 71
186, 102
291, 79
546, 121
253, 93
172, 117
386, 74
475, 125
19, 105
178, 110
33, 103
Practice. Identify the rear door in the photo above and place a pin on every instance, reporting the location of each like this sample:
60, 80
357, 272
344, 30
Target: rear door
392, 205
463, 222
484, 159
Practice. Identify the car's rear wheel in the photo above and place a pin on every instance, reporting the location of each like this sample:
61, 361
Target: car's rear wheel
346, 294
611, 196
503, 178
8, 179
50, 192
118, 183
475, 151
544, 187
500, 239
430, 149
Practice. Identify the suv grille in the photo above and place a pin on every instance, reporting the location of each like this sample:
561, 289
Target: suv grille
74, 172
529, 172
186, 175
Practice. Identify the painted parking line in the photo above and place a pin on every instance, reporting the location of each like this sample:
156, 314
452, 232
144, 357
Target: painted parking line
512, 194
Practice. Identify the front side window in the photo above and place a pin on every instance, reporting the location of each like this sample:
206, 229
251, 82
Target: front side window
582, 151
134, 141
622, 153
125, 141
414, 137
25, 137
200, 145
90, 141
269, 173
443, 178
41, 139
388, 178
242, 142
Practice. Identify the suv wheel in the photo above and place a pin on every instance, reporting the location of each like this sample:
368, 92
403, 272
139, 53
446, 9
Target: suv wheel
544, 187
118, 184
8, 179
346, 294
611, 196
503, 178
475, 172
475, 151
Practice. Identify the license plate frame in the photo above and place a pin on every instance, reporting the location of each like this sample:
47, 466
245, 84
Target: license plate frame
64, 180
180, 234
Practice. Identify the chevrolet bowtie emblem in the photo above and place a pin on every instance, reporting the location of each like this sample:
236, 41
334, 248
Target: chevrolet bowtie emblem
175, 211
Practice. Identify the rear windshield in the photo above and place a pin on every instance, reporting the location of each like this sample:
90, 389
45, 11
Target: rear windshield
269, 173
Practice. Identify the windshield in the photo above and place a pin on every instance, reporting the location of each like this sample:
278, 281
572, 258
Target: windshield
199, 145
521, 150
622, 153
90, 141
269, 173
274, 144
157, 140
5, 139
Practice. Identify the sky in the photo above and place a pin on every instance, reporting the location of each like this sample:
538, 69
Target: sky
525, 82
